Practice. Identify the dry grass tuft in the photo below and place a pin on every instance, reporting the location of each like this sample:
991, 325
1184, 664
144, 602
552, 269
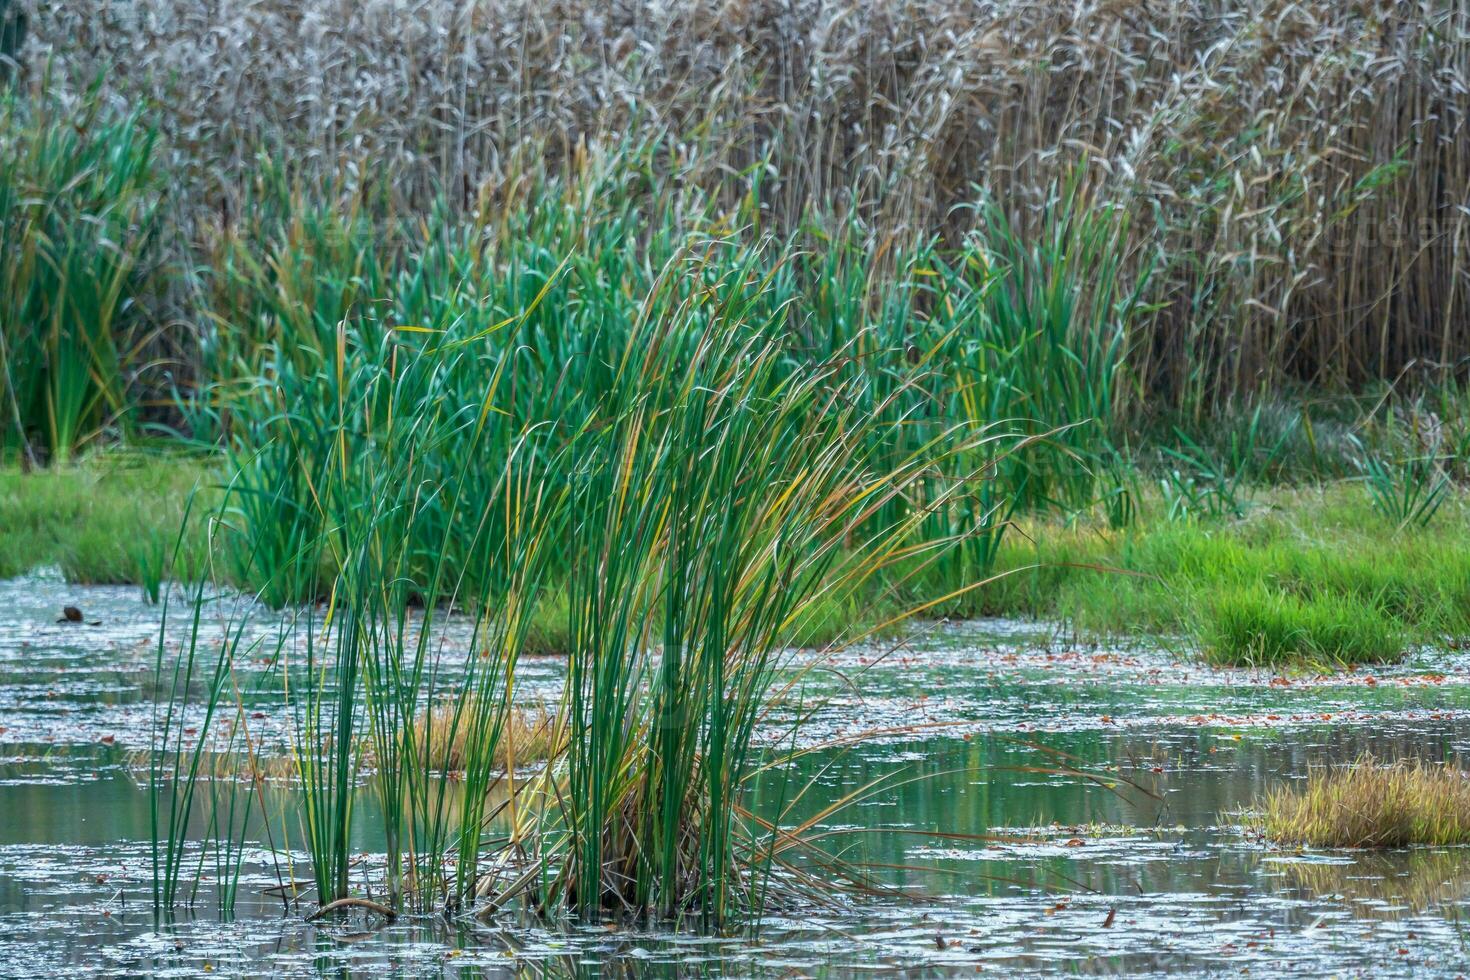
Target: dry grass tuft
1372, 804
531, 735
530, 732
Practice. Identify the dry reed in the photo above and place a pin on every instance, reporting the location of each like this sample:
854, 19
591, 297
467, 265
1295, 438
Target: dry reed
530, 733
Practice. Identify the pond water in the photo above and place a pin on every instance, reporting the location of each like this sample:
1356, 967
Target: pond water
1129, 860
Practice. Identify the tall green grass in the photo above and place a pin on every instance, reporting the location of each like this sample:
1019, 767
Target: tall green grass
413, 510
111, 518
689, 477
715, 494
931, 346
1310, 576
79, 218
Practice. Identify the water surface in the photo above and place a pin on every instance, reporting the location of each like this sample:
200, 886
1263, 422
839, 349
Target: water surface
996, 859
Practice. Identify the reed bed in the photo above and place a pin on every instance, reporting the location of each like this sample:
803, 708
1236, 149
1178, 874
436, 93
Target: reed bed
80, 209
661, 332
1293, 171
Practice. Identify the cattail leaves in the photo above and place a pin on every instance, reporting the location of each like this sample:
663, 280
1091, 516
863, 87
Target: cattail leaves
79, 218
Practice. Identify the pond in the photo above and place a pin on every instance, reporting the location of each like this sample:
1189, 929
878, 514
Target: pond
1051, 806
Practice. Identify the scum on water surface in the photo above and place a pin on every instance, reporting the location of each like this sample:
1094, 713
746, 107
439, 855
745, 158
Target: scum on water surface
1134, 862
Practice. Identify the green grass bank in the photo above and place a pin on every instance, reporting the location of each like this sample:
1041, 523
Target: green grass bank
1308, 576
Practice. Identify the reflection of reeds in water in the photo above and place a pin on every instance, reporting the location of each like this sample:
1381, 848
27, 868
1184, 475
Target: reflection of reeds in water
1385, 886
1371, 804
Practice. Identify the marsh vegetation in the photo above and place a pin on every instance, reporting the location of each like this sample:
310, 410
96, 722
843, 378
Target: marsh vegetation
386, 352
1372, 804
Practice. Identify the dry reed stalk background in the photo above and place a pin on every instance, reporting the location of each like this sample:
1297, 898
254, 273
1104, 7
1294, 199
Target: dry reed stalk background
1298, 172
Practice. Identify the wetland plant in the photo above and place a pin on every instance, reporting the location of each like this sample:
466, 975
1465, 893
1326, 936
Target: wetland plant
1407, 494
1370, 803
692, 484
394, 527
1259, 625
79, 217
202, 718
714, 494
1171, 112
1049, 342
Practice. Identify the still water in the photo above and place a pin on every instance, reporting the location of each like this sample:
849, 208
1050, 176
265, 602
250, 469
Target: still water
1062, 808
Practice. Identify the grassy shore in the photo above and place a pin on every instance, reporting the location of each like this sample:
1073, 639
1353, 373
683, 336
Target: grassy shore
111, 518
1309, 576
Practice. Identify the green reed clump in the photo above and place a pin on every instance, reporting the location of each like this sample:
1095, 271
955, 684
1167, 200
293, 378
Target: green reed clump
689, 479
79, 220
414, 508
1371, 804
714, 494
328, 266
1052, 344
1406, 493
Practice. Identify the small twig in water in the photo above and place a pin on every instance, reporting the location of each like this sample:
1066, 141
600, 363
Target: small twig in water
353, 903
